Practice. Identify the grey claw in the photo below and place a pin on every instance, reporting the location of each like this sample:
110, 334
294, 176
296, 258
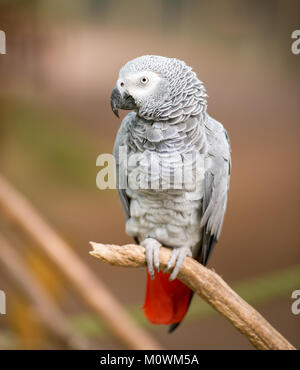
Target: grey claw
171, 260
156, 258
175, 270
149, 258
152, 254
178, 255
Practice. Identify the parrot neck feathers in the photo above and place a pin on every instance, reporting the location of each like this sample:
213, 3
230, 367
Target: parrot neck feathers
187, 98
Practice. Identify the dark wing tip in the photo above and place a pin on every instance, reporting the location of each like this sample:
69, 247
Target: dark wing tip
173, 327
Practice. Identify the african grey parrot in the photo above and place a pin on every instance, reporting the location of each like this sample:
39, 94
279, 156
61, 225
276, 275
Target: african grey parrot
169, 121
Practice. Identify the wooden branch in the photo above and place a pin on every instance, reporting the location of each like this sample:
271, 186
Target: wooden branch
209, 286
18, 209
46, 309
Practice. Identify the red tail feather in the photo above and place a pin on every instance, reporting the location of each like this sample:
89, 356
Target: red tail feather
166, 302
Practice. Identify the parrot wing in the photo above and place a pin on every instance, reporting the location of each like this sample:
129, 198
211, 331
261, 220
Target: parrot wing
121, 141
216, 184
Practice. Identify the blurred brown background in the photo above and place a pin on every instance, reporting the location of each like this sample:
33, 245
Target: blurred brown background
62, 62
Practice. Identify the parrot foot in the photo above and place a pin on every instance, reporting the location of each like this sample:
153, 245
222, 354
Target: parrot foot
152, 254
178, 256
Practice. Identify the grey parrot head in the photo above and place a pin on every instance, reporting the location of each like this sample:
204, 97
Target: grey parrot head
158, 88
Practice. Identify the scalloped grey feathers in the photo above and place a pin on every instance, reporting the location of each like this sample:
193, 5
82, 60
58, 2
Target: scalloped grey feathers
176, 125
185, 95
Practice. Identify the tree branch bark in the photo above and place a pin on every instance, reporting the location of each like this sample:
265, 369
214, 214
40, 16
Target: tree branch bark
209, 286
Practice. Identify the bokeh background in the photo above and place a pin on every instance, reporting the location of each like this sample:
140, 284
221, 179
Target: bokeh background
62, 62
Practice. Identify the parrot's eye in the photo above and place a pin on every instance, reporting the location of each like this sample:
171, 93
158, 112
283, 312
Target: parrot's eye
122, 84
144, 80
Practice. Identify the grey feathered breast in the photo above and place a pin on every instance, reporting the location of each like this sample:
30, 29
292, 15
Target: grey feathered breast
210, 138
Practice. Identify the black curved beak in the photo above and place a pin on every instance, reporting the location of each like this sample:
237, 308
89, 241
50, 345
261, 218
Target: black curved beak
119, 101
115, 101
